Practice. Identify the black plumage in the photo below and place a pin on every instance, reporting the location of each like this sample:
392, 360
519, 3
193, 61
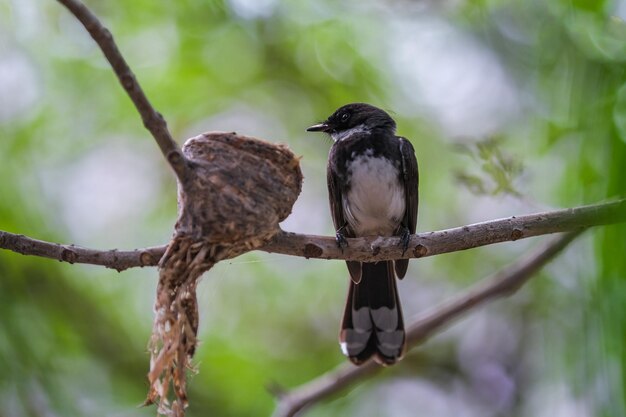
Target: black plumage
373, 191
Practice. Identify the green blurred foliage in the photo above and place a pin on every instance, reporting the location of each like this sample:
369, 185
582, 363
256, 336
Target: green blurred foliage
546, 79
501, 170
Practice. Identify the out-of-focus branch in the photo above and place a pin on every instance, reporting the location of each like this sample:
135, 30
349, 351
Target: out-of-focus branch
504, 283
359, 249
152, 120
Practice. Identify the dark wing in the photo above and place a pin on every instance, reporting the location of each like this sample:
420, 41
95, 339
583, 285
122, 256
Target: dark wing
336, 211
411, 183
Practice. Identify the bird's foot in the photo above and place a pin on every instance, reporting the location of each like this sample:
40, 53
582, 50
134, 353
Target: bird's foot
405, 238
341, 240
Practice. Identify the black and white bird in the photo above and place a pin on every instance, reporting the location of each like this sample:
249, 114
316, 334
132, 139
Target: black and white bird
372, 184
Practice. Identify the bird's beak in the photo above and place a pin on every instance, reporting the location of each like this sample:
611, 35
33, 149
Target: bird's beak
322, 127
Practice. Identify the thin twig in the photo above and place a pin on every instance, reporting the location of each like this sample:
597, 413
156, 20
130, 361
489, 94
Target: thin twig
504, 283
152, 120
359, 249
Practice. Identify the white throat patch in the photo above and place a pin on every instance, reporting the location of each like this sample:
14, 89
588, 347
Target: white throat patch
339, 136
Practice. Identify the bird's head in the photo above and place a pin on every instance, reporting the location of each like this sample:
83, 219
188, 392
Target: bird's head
355, 117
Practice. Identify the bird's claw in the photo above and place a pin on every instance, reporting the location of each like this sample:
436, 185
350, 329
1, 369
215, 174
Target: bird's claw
341, 240
405, 238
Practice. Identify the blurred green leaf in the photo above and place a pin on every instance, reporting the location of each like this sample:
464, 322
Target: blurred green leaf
499, 171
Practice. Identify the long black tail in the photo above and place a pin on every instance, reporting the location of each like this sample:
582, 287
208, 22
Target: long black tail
372, 322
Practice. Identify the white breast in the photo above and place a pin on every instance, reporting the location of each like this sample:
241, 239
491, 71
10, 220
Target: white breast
375, 203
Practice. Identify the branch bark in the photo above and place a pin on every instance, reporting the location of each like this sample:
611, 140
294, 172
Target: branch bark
360, 249
503, 283
152, 120
513, 228
114, 259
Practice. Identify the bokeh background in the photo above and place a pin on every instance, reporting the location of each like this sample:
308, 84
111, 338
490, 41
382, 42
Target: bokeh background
513, 107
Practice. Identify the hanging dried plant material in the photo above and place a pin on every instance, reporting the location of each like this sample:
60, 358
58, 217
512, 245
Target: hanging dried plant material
240, 190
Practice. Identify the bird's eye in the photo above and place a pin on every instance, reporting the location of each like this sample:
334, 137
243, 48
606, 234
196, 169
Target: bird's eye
345, 117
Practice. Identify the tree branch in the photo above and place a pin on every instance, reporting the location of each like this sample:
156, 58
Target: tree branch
114, 259
152, 120
360, 249
503, 283
370, 249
